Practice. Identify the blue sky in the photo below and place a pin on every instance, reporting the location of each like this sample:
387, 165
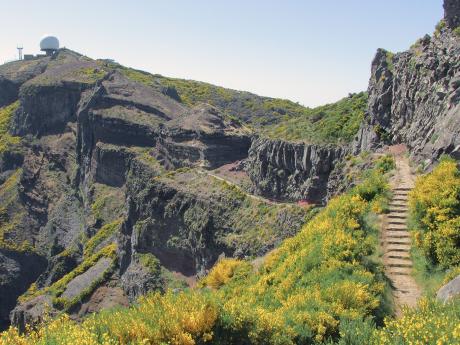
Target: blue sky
312, 52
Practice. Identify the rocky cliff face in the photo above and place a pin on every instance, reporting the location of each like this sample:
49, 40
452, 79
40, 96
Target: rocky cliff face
289, 171
90, 192
452, 13
414, 95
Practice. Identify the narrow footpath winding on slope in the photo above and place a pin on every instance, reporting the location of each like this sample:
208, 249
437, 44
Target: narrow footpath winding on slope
249, 195
396, 239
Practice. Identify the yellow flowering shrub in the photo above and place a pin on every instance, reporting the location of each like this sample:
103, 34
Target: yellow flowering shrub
179, 319
223, 271
301, 294
431, 323
435, 206
318, 277
104, 233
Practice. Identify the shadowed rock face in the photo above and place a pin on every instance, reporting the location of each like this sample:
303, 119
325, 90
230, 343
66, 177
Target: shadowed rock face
452, 13
9, 91
289, 171
17, 272
414, 99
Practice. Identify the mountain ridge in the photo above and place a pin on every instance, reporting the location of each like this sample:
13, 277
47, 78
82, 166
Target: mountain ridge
131, 182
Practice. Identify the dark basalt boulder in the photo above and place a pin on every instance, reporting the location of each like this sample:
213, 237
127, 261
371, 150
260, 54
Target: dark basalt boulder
32, 312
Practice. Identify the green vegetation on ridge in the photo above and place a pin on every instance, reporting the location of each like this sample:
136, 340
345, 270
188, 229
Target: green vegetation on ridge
277, 118
331, 123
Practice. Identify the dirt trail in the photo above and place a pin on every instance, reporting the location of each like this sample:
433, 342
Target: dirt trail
396, 239
252, 196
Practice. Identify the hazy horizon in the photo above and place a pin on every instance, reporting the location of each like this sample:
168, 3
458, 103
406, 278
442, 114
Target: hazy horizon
308, 52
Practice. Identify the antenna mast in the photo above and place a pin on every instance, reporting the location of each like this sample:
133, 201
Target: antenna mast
20, 51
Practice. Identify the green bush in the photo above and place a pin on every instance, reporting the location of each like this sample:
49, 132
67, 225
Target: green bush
456, 31
441, 25
386, 163
6, 115
332, 123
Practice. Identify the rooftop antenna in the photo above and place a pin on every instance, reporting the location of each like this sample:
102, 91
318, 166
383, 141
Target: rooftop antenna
20, 47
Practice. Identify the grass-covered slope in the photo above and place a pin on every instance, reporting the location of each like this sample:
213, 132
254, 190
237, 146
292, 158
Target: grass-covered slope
278, 118
6, 140
248, 107
331, 123
302, 292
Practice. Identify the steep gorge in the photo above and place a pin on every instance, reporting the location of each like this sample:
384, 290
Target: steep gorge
109, 156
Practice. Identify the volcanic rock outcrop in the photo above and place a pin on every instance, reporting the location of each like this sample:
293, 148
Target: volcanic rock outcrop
414, 95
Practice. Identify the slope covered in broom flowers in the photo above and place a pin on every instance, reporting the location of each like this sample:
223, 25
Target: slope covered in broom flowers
300, 294
321, 286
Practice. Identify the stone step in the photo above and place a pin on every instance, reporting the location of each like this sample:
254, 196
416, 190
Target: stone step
393, 254
398, 203
397, 226
398, 241
399, 198
403, 188
399, 230
398, 212
401, 193
398, 208
396, 221
401, 283
399, 271
396, 215
400, 248
397, 234
403, 291
398, 263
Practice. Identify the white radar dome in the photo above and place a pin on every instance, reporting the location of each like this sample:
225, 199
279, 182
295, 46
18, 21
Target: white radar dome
49, 43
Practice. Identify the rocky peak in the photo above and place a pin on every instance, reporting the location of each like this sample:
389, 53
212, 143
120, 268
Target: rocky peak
413, 97
452, 13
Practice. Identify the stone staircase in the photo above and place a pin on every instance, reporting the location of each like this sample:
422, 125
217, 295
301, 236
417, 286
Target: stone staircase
396, 241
